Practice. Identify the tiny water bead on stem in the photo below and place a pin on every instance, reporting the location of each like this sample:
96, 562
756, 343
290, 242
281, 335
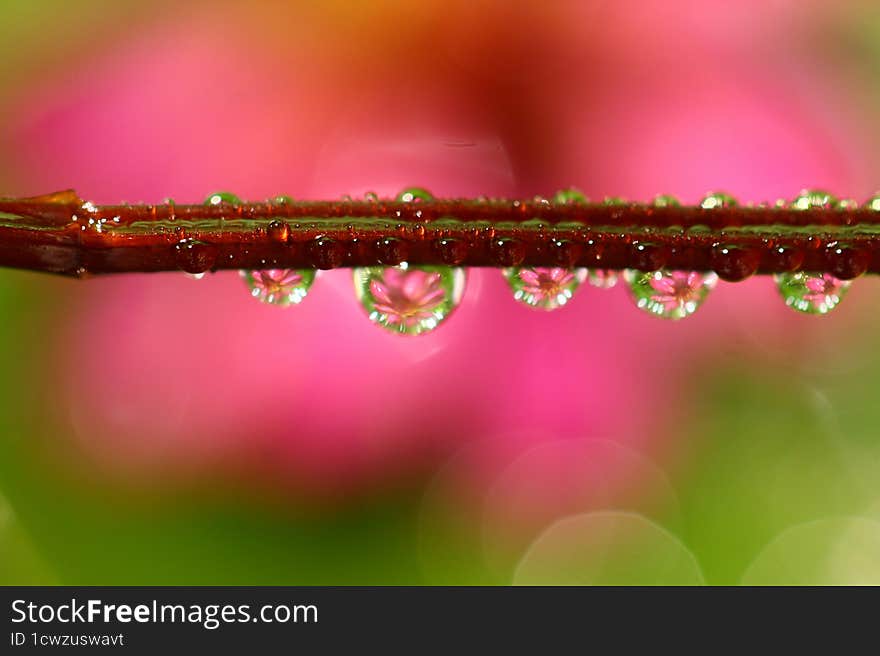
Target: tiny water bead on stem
673, 254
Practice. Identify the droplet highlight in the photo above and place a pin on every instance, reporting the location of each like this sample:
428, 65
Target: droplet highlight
811, 293
670, 294
280, 287
544, 288
409, 300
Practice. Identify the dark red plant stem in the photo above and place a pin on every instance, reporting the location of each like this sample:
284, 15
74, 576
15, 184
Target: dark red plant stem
59, 233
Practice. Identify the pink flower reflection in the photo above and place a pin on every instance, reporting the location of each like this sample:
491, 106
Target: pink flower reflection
545, 283
821, 287
603, 278
407, 296
677, 288
275, 282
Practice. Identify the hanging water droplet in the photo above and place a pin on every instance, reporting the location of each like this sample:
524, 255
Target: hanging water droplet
371, 197
811, 293
734, 263
452, 251
279, 286
545, 288
873, 203
670, 294
847, 261
665, 200
814, 199
326, 253
391, 251
195, 276
194, 256
282, 200
602, 278
570, 197
718, 200
565, 253
784, 258
508, 252
222, 198
409, 300
414, 195
647, 256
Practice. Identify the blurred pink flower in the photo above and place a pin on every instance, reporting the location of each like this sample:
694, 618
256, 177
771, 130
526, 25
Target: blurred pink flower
407, 296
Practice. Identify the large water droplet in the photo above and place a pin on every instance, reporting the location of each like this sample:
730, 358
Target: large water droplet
279, 286
811, 293
414, 195
409, 300
814, 199
545, 288
602, 278
222, 198
670, 294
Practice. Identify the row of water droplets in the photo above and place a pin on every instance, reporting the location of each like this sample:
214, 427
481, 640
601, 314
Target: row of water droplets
412, 300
